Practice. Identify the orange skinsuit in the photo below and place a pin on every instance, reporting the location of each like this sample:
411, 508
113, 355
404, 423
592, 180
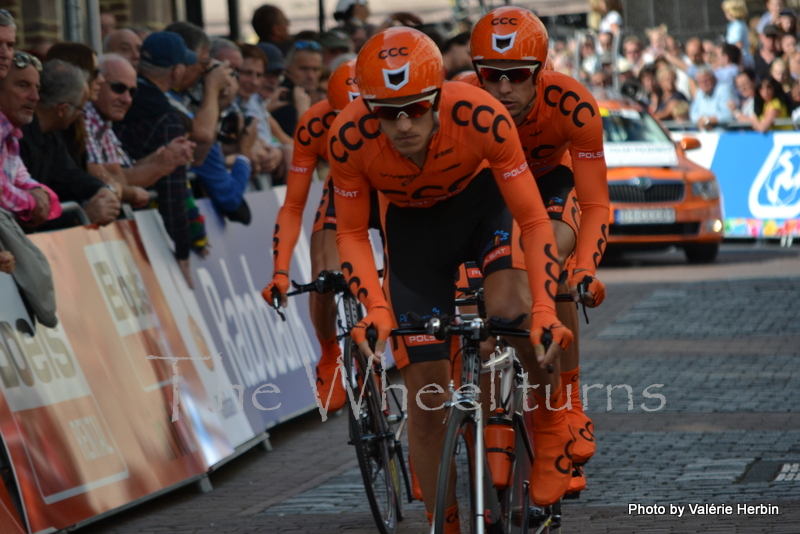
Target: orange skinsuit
564, 127
474, 131
571, 135
310, 145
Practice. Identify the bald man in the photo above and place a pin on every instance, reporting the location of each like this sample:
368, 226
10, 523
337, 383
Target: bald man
126, 43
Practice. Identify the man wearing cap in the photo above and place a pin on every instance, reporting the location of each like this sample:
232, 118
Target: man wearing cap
769, 39
334, 43
152, 122
273, 77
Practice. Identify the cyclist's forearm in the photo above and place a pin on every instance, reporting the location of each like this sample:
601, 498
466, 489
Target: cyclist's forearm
592, 238
290, 217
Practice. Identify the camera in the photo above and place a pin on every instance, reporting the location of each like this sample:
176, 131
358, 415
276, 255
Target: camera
229, 132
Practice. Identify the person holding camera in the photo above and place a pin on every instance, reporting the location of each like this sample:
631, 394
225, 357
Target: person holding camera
237, 136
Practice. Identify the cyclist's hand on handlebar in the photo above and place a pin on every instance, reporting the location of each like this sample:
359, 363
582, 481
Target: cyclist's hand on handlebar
381, 319
595, 289
279, 286
562, 338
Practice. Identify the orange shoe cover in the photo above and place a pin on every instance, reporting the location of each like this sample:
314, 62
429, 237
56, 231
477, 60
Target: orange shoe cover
551, 472
416, 491
329, 373
581, 425
452, 524
578, 482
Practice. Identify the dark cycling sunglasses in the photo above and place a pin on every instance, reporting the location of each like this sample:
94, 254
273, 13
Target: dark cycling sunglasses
513, 75
308, 45
412, 110
120, 88
23, 60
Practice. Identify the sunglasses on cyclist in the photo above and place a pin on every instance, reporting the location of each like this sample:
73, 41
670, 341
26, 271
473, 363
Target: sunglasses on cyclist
412, 110
23, 60
512, 74
120, 88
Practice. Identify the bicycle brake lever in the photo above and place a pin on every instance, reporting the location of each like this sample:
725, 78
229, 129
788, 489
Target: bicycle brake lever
547, 340
582, 287
276, 303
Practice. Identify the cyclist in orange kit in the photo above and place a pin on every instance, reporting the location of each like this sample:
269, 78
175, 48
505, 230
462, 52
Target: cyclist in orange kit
311, 145
561, 133
451, 180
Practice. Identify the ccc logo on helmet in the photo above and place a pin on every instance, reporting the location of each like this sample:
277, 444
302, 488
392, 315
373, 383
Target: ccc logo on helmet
504, 20
393, 52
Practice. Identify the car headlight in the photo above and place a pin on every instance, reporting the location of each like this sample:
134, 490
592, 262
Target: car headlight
707, 190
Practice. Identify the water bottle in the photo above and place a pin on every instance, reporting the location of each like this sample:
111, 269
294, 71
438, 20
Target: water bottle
499, 439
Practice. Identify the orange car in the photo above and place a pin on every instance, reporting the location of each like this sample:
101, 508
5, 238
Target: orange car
658, 197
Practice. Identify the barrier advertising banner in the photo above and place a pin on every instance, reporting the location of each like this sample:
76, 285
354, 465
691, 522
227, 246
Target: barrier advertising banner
268, 363
759, 175
87, 410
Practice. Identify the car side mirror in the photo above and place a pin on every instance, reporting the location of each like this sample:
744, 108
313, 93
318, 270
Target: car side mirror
690, 143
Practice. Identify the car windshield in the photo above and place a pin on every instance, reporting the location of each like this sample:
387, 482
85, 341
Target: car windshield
629, 125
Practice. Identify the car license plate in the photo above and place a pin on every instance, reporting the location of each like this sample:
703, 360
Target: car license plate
645, 216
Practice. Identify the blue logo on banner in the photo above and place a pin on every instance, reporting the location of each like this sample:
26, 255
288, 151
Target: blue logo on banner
775, 193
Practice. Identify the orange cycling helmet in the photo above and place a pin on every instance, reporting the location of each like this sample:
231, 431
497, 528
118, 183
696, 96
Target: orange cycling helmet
342, 86
399, 62
510, 33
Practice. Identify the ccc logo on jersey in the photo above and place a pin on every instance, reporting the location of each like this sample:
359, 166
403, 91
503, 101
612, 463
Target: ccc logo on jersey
482, 118
347, 140
555, 97
315, 128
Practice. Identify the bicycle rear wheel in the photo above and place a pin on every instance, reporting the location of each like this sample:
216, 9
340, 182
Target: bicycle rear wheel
457, 462
373, 440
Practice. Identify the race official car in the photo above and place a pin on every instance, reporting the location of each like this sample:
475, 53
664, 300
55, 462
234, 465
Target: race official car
658, 197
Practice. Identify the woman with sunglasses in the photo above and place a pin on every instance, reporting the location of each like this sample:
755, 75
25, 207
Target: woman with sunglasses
453, 186
311, 146
561, 131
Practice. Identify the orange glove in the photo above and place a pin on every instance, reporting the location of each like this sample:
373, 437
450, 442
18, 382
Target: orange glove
595, 289
381, 319
561, 334
279, 284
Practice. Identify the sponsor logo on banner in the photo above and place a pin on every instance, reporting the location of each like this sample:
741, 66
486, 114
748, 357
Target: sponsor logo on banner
129, 306
259, 344
775, 193
53, 407
641, 154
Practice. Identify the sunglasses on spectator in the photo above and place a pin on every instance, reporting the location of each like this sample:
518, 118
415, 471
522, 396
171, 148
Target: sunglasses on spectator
120, 88
512, 74
412, 110
308, 45
23, 60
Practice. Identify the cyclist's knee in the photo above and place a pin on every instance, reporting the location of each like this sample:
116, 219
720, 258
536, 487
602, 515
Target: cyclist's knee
565, 241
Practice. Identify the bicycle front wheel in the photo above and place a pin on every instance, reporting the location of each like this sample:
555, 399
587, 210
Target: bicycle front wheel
457, 474
373, 440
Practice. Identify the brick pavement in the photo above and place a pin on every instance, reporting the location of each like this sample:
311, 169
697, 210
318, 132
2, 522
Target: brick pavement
730, 422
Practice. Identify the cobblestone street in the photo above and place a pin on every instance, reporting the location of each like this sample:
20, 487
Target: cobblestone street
718, 343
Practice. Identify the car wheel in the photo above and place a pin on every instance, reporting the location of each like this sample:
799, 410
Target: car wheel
703, 253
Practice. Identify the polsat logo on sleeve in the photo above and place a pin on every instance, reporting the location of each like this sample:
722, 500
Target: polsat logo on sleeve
775, 193
513, 173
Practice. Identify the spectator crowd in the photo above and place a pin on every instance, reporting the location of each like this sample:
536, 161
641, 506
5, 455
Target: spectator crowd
159, 119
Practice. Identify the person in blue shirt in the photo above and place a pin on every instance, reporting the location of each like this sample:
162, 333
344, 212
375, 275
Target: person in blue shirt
710, 105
